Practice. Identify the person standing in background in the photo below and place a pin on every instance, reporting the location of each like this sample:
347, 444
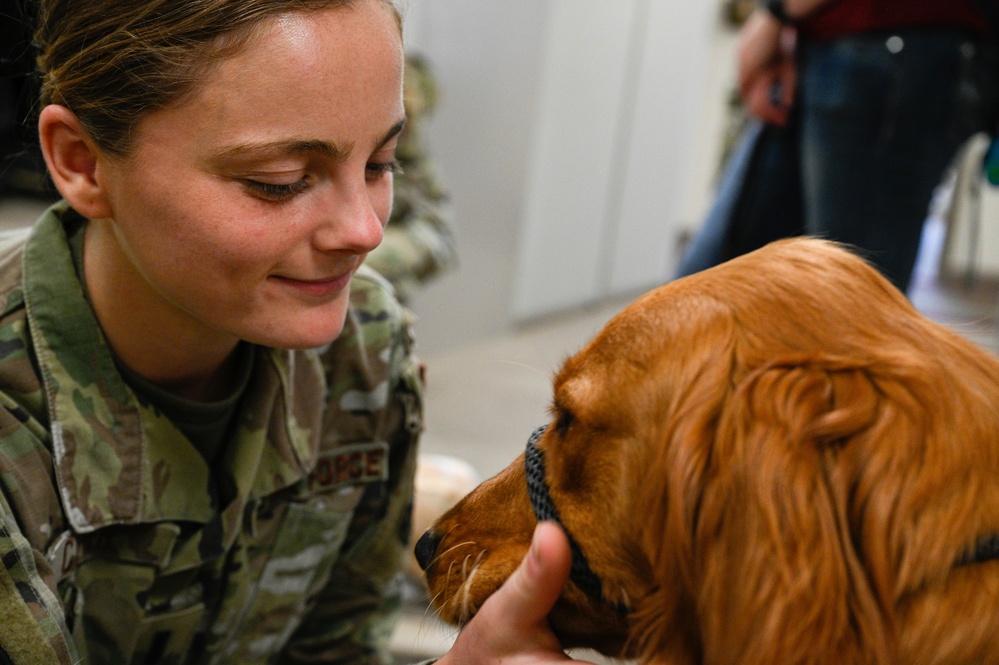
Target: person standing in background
883, 93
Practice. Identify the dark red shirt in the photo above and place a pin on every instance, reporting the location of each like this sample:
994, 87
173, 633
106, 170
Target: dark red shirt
847, 17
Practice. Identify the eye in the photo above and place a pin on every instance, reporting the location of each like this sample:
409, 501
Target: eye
565, 419
376, 170
276, 193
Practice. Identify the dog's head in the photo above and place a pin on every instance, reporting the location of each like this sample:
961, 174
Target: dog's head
753, 455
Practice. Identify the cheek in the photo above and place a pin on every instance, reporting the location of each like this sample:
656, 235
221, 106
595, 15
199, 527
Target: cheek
189, 242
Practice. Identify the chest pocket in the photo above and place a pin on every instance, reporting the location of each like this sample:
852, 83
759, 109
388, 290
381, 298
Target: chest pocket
131, 598
125, 602
288, 554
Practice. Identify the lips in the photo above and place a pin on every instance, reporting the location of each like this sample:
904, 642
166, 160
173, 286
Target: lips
316, 288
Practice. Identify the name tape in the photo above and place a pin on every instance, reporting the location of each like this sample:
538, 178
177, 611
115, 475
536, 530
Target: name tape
350, 465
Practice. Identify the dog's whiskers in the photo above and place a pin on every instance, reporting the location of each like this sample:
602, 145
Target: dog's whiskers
438, 555
430, 606
454, 599
467, 608
466, 612
530, 367
454, 547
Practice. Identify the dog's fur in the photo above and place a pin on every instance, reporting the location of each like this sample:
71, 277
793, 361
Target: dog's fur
777, 460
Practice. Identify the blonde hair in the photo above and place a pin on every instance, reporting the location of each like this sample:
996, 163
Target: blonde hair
113, 62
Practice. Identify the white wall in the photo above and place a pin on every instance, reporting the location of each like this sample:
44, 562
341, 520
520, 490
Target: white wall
584, 110
578, 138
486, 56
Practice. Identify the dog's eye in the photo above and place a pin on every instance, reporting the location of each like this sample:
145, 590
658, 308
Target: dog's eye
564, 421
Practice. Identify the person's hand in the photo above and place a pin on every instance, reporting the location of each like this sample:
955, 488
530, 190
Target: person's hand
766, 67
511, 627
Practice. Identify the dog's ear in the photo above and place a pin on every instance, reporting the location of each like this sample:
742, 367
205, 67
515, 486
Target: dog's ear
775, 545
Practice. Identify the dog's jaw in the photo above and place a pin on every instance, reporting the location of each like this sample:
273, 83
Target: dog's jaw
463, 573
465, 570
459, 584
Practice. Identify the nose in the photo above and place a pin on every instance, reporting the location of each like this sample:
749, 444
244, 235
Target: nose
426, 548
351, 221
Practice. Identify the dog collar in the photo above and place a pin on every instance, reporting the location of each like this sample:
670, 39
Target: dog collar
986, 549
544, 509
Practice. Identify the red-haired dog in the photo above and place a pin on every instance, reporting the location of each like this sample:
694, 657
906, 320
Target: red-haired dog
775, 461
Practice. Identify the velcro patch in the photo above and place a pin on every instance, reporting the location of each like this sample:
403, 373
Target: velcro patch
351, 465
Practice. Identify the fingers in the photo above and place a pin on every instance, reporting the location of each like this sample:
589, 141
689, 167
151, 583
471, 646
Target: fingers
764, 99
767, 71
758, 47
771, 96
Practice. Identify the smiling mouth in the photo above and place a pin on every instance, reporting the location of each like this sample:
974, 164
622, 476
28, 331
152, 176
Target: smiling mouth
318, 288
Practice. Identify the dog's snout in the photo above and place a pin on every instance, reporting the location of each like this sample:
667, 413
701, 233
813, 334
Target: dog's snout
426, 548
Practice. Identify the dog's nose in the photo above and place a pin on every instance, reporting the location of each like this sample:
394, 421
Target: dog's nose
426, 548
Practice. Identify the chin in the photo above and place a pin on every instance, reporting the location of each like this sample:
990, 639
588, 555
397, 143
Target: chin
309, 331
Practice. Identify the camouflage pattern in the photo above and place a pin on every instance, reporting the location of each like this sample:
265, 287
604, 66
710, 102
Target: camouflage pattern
118, 544
419, 242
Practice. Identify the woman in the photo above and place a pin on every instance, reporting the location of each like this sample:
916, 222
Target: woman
211, 408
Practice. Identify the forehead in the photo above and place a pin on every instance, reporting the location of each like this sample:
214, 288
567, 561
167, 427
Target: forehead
354, 50
331, 74
619, 370
309, 39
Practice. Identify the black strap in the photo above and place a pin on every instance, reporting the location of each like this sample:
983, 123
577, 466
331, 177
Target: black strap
986, 549
544, 509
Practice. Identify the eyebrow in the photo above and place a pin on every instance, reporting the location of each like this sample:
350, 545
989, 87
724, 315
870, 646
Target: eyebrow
303, 146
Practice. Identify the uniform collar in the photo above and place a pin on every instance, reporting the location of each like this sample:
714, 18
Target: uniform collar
117, 461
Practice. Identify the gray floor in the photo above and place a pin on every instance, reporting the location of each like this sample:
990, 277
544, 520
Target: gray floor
485, 398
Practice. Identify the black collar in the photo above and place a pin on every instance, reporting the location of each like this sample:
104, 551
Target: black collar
544, 509
986, 549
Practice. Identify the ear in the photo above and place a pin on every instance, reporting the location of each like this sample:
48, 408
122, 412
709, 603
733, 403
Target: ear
778, 575
73, 160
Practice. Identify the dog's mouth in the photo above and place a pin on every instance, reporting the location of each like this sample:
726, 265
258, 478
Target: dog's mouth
460, 606
459, 591
578, 619
462, 572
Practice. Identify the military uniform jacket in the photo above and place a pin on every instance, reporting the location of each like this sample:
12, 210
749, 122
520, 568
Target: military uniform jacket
118, 544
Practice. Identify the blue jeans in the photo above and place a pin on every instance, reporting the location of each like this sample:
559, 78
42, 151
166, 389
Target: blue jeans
758, 198
882, 117
878, 119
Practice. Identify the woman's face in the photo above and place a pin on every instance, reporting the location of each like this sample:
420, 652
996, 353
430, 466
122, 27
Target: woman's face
246, 208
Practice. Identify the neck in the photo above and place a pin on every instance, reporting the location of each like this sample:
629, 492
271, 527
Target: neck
158, 341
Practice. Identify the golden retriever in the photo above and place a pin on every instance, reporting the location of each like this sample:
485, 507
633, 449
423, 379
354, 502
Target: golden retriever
775, 461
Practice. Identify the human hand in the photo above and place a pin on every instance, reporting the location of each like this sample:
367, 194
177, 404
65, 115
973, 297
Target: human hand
766, 67
512, 626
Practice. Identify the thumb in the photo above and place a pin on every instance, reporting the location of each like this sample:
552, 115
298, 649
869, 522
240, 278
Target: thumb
512, 625
538, 581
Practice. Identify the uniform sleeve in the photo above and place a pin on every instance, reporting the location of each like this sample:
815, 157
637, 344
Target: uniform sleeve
32, 628
355, 613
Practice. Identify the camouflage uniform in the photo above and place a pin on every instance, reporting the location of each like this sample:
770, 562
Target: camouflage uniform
113, 547
418, 242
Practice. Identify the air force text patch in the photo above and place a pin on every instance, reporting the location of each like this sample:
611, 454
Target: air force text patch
351, 465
